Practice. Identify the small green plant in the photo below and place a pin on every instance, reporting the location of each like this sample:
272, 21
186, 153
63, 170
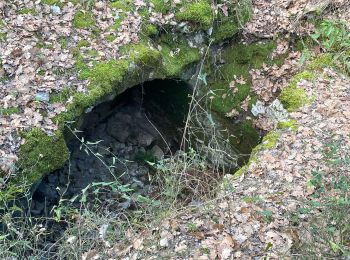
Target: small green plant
267, 214
192, 227
334, 37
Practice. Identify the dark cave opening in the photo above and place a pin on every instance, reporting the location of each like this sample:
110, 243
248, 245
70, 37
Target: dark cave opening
115, 141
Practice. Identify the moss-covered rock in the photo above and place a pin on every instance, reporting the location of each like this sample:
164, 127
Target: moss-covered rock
106, 78
150, 30
239, 60
143, 55
290, 124
177, 55
226, 26
294, 97
41, 154
199, 14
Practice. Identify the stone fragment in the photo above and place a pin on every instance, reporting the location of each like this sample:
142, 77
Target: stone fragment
157, 152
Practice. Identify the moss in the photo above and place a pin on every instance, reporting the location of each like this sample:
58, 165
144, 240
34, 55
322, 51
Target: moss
294, 97
28, 11
305, 75
161, 6
125, 5
290, 124
83, 19
143, 55
41, 72
83, 43
110, 37
239, 60
80, 64
105, 78
105, 75
320, 62
227, 26
198, 13
253, 199
150, 30
9, 111
52, 2
2, 36
41, 154
92, 53
61, 96
177, 56
270, 140
63, 42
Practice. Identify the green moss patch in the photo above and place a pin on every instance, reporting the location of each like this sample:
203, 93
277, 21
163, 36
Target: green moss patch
198, 13
41, 154
227, 26
52, 2
63, 42
2, 36
239, 60
28, 11
290, 124
177, 55
83, 43
294, 97
61, 96
321, 62
9, 111
150, 30
125, 5
143, 55
161, 6
270, 140
83, 19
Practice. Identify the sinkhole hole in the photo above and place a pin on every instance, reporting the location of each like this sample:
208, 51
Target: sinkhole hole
116, 141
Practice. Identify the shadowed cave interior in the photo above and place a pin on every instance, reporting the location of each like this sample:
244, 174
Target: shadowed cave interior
115, 141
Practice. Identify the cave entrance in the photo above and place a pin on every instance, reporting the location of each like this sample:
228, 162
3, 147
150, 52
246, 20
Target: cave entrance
116, 139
